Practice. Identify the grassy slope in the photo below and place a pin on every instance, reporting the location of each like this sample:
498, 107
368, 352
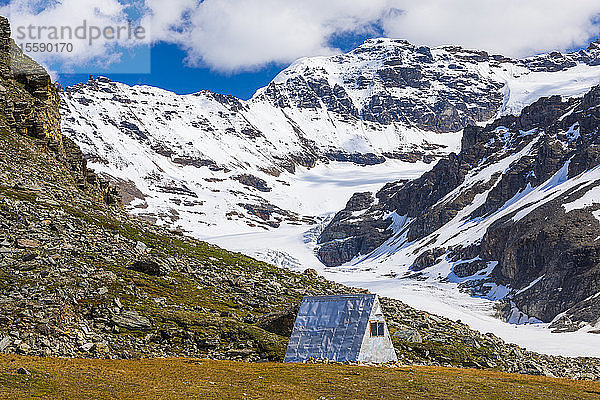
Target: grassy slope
200, 379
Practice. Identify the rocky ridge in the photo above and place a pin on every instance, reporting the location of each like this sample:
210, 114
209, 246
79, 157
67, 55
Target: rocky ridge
516, 208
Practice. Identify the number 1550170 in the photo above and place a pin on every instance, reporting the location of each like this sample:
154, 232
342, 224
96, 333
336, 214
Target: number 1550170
46, 47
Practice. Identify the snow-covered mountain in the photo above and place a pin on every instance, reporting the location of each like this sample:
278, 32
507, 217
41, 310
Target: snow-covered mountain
265, 175
212, 164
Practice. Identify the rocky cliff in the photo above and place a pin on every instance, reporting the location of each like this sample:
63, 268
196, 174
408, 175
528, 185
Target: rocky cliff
34, 115
31, 108
516, 208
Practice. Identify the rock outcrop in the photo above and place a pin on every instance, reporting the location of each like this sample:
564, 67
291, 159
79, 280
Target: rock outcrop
31, 107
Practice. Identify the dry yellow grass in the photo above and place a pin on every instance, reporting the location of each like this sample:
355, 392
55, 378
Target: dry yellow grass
201, 379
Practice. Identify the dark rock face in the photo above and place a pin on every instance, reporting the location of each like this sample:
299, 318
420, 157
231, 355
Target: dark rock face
549, 255
560, 247
443, 116
341, 251
280, 323
311, 92
351, 233
554, 62
5, 46
253, 181
547, 243
466, 269
268, 215
149, 267
231, 102
428, 258
356, 158
193, 161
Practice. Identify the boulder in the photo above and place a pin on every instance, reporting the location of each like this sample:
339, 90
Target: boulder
132, 321
280, 323
311, 272
148, 267
408, 335
27, 244
4, 343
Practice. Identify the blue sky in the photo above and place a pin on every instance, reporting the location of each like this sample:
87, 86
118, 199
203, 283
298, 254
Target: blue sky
237, 46
169, 70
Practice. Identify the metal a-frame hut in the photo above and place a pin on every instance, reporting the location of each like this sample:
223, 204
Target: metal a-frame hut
341, 328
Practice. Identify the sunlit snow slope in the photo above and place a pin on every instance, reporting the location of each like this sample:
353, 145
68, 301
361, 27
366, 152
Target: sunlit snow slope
212, 164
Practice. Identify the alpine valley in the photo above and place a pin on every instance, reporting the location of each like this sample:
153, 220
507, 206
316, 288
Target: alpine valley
467, 182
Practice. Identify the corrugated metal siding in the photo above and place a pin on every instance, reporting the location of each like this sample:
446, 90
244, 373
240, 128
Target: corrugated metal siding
330, 327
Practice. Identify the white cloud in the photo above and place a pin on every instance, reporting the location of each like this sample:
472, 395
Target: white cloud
235, 35
168, 18
44, 15
514, 28
230, 35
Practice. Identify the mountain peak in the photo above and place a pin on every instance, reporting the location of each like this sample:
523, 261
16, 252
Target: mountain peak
595, 45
